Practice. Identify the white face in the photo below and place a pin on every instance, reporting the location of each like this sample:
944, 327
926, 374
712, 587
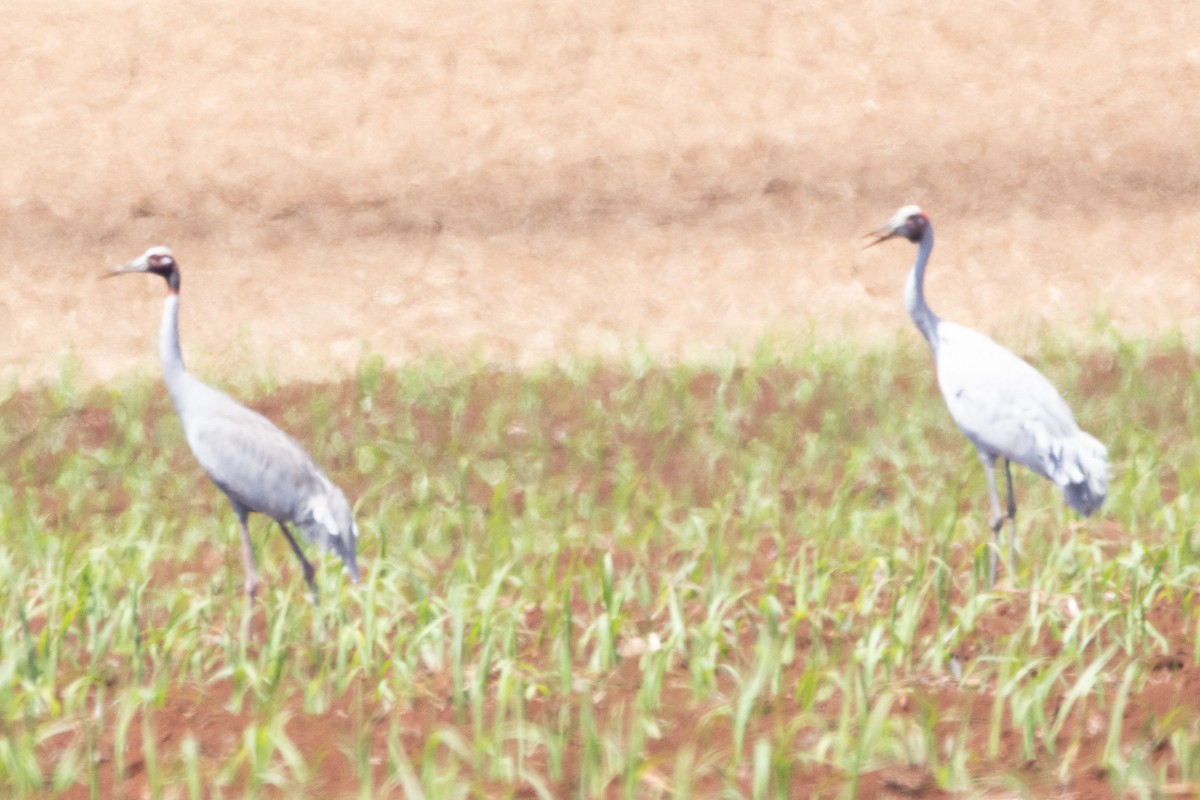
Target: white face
157, 260
901, 216
159, 252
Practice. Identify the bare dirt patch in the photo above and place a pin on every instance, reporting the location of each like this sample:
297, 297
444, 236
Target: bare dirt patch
543, 179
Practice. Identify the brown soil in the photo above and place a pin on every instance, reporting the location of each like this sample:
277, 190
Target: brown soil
549, 178
531, 180
1071, 766
215, 717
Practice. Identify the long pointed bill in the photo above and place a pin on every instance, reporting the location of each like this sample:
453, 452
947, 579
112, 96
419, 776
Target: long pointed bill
137, 265
881, 235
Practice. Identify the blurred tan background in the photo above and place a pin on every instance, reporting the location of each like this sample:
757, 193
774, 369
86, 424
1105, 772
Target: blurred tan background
533, 179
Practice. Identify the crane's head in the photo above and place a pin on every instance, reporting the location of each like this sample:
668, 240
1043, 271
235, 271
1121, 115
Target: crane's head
909, 222
156, 261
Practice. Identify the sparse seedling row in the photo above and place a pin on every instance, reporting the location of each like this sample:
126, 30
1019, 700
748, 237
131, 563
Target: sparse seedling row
761, 579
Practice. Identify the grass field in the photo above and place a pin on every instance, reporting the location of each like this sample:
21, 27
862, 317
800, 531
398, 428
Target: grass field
655, 501
757, 577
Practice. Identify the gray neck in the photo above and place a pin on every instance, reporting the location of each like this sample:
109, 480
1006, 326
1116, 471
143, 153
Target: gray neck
168, 350
914, 293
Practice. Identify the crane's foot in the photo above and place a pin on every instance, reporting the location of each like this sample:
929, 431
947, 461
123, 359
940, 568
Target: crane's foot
248, 559
310, 574
995, 523
1008, 583
1012, 558
310, 578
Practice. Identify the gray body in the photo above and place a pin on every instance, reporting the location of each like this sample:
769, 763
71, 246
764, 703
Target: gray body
1002, 404
258, 467
1009, 410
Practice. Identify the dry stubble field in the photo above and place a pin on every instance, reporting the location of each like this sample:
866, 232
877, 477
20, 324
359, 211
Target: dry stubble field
525, 181
534, 181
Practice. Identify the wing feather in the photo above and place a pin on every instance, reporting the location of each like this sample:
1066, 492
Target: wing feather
250, 459
1004, 406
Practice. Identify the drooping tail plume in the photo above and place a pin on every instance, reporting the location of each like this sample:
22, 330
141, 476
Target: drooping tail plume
1084, 473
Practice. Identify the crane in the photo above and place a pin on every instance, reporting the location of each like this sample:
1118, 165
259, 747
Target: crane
1006, 408
258, 467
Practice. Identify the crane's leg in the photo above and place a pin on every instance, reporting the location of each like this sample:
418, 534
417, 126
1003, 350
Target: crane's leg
1012, 521
997, 519
247, 557
310, 574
